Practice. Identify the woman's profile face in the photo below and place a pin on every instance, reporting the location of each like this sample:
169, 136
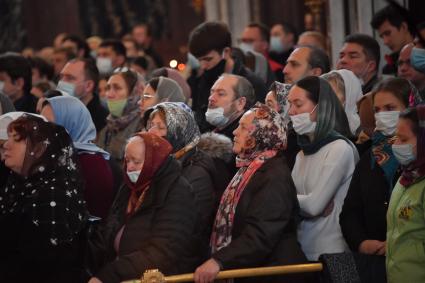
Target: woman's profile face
116, 89
405, 134
135, 154
14, 152
299, 103
148, 99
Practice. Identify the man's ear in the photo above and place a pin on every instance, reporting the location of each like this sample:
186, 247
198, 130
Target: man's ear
316, 72
240, 103
89, 86
227, 53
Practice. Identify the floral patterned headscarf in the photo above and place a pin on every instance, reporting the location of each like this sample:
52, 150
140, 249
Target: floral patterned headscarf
269, 134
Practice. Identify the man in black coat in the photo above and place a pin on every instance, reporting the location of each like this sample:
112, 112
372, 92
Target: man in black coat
211, 44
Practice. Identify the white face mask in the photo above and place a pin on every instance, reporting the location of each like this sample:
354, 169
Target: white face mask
302, 123
386, 122
404, 153
68, 88
104, 65
215, 116
133, 175
246, 47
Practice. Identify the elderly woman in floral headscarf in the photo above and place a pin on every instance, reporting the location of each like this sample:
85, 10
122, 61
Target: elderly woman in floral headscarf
255, 223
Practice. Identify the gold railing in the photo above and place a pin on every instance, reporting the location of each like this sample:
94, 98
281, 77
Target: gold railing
155, 276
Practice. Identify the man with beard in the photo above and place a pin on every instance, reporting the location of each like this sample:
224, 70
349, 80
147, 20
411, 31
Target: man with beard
210, 43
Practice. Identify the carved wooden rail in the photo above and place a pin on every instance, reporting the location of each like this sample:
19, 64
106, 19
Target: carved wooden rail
155, 276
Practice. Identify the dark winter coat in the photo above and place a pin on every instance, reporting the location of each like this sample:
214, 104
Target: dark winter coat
265, 227
164, 233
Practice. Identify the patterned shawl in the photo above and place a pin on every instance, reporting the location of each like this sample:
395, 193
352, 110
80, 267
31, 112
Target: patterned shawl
269, 134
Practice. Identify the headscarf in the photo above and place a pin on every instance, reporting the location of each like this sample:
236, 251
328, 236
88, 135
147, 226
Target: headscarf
415, 171
74, 116
282, 91
269, 134
131, 109
169, 90
182, 130
332, 123
51, 193
353, 93
177, 77
157, 151
9, 117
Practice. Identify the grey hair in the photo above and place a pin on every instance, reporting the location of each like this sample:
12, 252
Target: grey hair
242, 88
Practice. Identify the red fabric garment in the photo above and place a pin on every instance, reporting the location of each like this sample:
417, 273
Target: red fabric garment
275, 66
157, 150
99, 181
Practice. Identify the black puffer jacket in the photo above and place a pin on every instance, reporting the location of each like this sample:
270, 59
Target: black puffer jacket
165, 233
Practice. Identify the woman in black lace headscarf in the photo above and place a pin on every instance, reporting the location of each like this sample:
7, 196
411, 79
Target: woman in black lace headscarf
41, 207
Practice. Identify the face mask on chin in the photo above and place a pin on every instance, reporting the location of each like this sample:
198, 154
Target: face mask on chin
215, 116
134, 175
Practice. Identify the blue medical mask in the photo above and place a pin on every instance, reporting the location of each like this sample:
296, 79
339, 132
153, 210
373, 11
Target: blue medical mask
246, 47
66, 87
404, 153
417, 59
276, 44
133, 175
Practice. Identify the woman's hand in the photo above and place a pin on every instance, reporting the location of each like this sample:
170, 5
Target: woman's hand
372, 247
207, 272
94, 280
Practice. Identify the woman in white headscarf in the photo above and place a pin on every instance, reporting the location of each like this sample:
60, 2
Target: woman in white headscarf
348, 89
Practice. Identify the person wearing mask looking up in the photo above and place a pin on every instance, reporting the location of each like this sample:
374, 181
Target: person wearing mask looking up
319, 121
363, 215
122, 95
406, 223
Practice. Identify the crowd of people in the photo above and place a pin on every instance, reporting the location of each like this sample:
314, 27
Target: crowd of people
257, 155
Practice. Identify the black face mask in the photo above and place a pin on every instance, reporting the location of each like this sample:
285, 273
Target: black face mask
213, 73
